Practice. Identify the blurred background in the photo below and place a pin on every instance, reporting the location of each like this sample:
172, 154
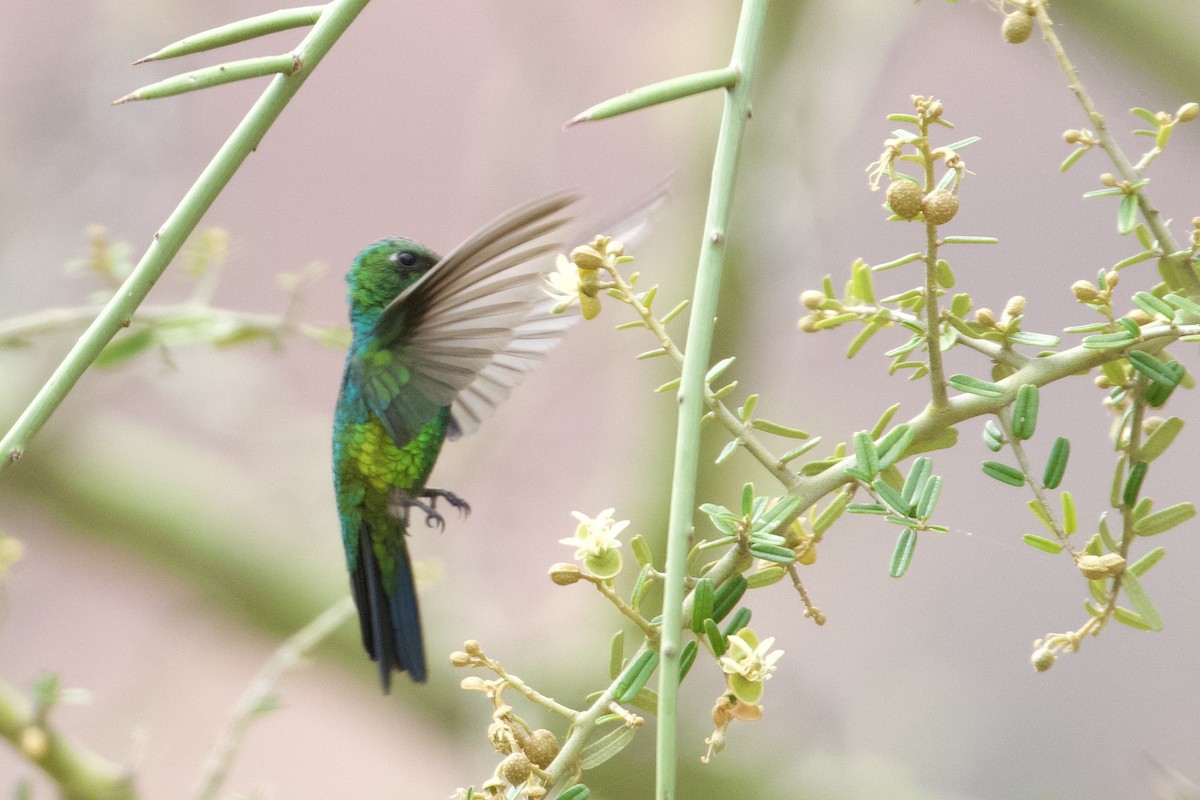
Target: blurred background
178, 519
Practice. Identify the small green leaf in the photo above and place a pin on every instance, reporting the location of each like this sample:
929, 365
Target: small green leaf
125, 347
1147, 561
715, 639
929, 497
716, 369
922, 468
727, 451
1157, 393
902, 555
993, 437
868, 508
1056, 464
771, 552
687, 657
1164, 520
866, 459
727, 595
765, 577
607, 746
740, 620
1024, 414
1109, 341
576, 792
796, 452
893, 498
1032, 339
970, 240
1157, 442
831, 512
965, 383
747, 409
884, 419
1155, 370
702, 604
747, 499
1004, 473
1182, 303
1133, 484
778, 430
1152, 305
1141, 602
899, 262
1042, 543
1071, 159
892, 447
636, 676
641, 550
1070, 517
1133, 620
1127, 214
616, 655
945, 275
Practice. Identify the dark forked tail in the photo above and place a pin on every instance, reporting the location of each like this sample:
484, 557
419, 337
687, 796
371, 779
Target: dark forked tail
391, 623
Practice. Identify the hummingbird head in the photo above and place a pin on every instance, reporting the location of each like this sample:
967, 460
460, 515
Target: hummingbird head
379, 273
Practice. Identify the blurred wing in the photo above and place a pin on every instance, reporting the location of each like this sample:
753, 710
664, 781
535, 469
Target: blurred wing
468, 330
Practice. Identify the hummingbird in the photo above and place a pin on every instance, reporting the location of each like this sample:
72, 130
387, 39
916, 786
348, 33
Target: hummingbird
437, 343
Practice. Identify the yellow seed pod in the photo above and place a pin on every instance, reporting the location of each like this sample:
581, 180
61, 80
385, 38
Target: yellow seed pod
516, 769
904, 199
940, 206
1017, 27
565, 574
1096, 568
541, 747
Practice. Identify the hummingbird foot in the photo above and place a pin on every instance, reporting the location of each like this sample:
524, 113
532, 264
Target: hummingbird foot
401, 501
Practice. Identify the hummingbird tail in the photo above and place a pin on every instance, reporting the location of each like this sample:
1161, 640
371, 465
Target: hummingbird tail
391, 624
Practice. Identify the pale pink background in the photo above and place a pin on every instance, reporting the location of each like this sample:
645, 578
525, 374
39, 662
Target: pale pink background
428, 119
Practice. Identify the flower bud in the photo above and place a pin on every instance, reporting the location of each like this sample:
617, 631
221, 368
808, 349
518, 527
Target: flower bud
1072, 136
1108, 179
940, 206
565, 574
985, 317
586, 257
516, 769
812, 299
1188, 112
1085, 292
472, 648
460, 659
34, 742
1015, 306
541, 747
1017, 27
1043, 659
904, 199
808, 323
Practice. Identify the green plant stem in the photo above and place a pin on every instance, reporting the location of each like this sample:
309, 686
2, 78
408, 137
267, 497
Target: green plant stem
240, 31
661, 92
258, 697
1035, 485
1178, 272
183, 220
81, 775
691, 392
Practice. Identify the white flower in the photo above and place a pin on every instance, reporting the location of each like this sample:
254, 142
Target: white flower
596, 543
752, 663
563, 284
595, 537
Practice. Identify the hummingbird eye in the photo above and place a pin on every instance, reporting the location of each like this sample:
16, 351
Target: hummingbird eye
404, 258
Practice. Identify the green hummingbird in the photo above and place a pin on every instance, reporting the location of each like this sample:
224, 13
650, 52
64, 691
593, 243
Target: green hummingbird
437, 343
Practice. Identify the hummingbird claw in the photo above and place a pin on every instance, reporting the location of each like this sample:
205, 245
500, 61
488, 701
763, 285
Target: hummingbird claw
402, 501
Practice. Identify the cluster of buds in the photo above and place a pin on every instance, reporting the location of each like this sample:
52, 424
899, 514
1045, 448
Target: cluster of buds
1089, 294
527, 752
905, 196
1014, 309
